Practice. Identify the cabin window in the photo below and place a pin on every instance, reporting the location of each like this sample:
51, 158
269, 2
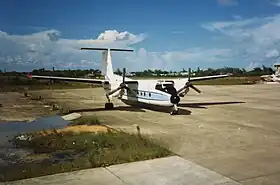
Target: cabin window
150, 94
141, 93
144, 94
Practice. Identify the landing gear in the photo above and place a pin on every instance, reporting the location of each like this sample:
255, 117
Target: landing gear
109, 106
175, 110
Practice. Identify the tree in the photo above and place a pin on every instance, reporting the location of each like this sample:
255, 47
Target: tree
118, 72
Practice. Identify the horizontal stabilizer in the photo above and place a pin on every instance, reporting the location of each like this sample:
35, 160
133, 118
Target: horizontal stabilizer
105, 49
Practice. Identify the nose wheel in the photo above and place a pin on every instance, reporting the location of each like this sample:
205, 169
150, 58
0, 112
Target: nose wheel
175, 110
109, 106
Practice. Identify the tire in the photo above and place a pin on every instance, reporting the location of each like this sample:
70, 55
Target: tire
109, 106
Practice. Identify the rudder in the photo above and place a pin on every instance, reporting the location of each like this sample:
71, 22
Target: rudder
107, 65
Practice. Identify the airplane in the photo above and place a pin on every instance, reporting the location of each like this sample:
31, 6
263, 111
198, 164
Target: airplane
274, 77
271, 78
156, 92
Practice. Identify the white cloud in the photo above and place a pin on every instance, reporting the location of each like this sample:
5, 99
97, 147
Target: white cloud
228, 2
47, 49
275, 2
253, 38
237, 17
170, 60
272, 53
252, 65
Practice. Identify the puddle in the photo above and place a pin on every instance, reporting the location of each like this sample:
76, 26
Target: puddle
10, 129
9, 154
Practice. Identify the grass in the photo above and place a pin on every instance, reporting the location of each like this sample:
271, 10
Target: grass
70, 151
87, 120
229, 81
20, 83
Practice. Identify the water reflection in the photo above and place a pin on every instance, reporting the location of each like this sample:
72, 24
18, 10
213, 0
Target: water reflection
9, 154
10, 129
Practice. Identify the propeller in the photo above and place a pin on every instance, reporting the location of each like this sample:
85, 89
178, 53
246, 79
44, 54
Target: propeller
122, 86
188, 85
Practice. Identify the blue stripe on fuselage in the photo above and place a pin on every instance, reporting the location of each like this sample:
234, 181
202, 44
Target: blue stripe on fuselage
148, 95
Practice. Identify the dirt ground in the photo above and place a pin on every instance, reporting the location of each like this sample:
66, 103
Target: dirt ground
239, 137
15, 106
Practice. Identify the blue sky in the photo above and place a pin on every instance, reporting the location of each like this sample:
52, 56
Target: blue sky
167, 35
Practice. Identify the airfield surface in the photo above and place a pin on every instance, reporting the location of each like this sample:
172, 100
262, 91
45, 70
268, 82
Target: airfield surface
240, 140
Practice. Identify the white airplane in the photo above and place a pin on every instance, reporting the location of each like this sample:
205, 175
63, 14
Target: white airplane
271, 78
274, 77
158, 92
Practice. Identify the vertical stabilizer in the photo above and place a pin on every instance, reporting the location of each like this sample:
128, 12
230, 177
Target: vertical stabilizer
107, 65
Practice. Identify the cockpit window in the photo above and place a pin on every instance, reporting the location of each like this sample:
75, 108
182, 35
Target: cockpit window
168, 85
159, 87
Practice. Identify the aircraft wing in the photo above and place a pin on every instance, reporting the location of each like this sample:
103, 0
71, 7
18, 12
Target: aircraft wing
208, 77
184, 80
83, 80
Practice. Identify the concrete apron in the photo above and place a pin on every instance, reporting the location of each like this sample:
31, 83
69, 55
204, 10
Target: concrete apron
164, 171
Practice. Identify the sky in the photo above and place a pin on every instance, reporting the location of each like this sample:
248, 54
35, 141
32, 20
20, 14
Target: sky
167, 35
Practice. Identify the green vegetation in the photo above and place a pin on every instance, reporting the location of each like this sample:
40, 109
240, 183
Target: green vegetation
87, 120
229, 81
199, 72
21, 83
69, 151
220, 81
18, 81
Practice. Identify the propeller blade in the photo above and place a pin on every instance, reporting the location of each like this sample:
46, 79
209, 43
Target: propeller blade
194, 88
189, 75
121, 93
180, 90
113, 91
123, 75
128, 89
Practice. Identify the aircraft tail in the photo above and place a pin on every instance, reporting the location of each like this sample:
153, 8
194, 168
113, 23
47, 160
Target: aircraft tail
107, 61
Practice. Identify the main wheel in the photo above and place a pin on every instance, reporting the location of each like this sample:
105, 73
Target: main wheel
174, 112
109, 106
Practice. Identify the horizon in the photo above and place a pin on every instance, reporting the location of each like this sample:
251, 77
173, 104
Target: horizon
169, 71
167, 36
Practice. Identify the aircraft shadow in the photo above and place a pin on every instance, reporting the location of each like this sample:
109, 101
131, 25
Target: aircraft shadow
162, 109
133, 109
119, 108
202, 105
140, 108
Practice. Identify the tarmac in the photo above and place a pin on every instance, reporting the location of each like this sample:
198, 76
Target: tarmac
232, 130
165, 171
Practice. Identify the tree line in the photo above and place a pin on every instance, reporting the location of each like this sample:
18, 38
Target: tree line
93, 73
210, 71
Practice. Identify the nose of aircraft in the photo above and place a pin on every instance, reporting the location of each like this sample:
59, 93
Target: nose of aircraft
174, 98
